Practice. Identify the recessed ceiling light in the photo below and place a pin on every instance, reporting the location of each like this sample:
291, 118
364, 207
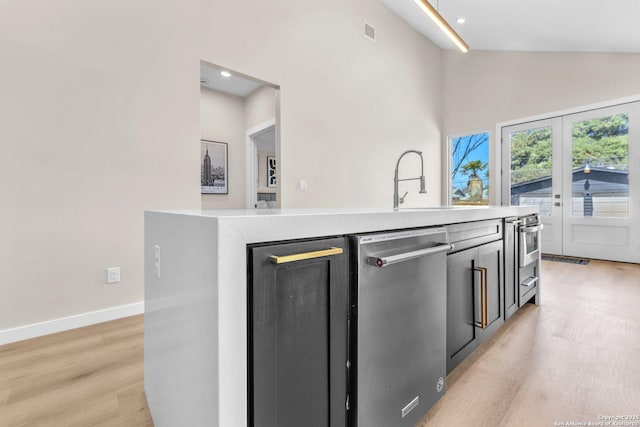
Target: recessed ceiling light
461, 21
225, 74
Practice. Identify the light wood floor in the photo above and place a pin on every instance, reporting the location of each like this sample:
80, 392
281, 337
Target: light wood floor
84, 377
573, 358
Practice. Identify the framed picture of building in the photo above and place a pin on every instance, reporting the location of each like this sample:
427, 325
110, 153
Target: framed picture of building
271, 171
213, 167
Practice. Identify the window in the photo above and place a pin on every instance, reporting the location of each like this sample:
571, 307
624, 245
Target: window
469, 169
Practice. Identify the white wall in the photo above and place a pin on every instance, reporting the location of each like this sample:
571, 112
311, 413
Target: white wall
100, 111
348, 106
222, 119
259, 107
483, 88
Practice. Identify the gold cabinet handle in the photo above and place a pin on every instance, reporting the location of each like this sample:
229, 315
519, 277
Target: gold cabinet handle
480, 324
305, 255
484, 298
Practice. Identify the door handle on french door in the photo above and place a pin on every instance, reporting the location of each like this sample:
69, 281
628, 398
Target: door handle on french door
557, 196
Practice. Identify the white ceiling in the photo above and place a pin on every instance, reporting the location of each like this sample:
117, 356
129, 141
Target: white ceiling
532, 25
234, 85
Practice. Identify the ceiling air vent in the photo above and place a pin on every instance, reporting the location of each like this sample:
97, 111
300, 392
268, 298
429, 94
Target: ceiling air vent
369, 31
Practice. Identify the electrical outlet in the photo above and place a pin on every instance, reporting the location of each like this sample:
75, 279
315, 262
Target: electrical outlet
156, 251
304, 185
113, 275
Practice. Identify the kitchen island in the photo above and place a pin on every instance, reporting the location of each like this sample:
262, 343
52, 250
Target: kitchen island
196, 365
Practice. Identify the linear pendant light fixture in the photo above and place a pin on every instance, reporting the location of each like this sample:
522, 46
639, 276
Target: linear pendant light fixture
432, 13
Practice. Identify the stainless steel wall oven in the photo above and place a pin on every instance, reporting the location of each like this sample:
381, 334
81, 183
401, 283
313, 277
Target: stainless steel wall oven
529, 239
522, 244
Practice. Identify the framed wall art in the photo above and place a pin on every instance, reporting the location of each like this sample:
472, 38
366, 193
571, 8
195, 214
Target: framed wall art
213, 167
271, 171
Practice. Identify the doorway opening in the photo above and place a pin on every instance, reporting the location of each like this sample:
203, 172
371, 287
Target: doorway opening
239, 114
262, 162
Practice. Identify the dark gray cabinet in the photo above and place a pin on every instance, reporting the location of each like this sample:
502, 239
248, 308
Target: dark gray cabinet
298, 296
475, 300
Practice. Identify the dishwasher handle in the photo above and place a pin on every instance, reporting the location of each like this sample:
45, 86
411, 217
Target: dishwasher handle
382, 262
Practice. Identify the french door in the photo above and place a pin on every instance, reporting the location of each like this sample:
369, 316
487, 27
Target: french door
582, 171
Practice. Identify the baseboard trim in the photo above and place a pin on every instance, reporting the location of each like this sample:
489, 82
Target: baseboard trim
71, 322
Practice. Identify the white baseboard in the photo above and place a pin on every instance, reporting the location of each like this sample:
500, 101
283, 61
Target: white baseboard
65, 323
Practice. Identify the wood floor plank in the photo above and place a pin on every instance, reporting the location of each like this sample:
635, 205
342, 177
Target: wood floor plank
14, 357
84, 365
133, 408
4, 395
91, 412
71, 382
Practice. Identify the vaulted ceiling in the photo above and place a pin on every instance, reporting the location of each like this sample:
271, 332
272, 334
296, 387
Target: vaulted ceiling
532, 25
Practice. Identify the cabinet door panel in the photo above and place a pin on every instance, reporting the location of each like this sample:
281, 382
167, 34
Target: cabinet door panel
461, 310
464, 305
299, 336
490, 257
511, 303
301, 328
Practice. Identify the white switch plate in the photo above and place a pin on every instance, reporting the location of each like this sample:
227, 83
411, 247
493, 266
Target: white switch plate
304, 185
156, 251
113, 275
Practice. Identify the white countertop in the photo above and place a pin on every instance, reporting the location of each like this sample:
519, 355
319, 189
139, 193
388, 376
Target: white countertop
244, 213
264, 225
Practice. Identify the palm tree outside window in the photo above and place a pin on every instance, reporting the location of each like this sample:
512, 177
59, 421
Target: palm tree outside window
470, 169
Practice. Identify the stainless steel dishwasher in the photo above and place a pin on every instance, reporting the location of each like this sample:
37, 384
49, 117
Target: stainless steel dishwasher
399, 304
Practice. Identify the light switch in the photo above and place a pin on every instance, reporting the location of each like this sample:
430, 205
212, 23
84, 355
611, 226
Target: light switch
113, 275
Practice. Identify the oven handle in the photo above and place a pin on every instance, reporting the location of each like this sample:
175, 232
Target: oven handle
533, 229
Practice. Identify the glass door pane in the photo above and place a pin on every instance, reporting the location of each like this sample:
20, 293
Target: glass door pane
533, 174
600, 167
531, 168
